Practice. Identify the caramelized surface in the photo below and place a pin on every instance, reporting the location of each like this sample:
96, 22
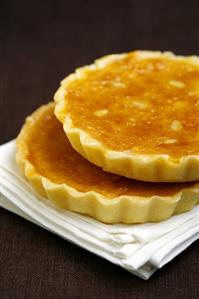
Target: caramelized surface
53, 157
148, 106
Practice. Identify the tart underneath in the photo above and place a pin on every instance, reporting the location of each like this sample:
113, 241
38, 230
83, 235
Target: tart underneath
135, 114
59, 173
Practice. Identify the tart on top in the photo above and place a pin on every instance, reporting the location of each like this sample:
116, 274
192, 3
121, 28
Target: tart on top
58, 172
135, 114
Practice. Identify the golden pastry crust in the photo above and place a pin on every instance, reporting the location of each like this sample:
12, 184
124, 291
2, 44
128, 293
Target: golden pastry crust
59, 173
149, 132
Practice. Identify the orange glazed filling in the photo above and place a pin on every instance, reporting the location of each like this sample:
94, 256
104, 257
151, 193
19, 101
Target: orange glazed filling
142, 106
53, 157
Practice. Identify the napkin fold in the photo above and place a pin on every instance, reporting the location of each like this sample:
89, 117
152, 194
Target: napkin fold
139, 248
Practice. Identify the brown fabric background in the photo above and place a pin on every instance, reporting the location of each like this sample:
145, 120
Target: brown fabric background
40, 43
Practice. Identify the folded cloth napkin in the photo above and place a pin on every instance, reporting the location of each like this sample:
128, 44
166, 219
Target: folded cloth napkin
140, 249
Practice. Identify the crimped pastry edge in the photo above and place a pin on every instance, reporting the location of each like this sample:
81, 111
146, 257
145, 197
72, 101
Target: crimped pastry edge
154, 168
122, 209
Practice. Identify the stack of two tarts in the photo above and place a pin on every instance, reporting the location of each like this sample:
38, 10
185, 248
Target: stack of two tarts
121, 141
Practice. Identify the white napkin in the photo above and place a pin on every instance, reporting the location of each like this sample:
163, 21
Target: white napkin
140, 249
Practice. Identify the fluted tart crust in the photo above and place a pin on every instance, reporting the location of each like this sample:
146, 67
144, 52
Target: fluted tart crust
135, 114
59, 173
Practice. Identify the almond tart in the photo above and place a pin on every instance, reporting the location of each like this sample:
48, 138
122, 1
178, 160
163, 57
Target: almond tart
62, 175
135, 114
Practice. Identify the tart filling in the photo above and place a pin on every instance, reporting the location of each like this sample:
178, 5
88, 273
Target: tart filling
58, 172
135, 114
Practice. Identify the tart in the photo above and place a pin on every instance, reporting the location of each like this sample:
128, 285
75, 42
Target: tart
135, 114
59, 173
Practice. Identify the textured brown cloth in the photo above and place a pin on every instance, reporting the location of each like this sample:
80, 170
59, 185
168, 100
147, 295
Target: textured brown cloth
40, 43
